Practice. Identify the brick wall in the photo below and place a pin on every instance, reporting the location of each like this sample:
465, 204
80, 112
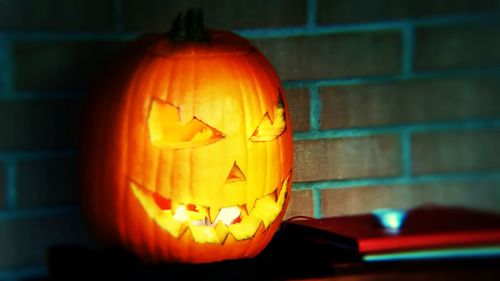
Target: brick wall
395, 103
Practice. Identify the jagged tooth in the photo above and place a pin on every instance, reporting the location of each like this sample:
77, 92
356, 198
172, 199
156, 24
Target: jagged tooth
283, 192
198, 222
214, 212
230, 239
278, 191
180, 213
166, 221
250, 205
228, 215
204, 234
146, 200
203, 211
246, 228
282, 197
273, 195
222, 231
174, 206
267, 210
134, 187
183, 229
243, 209
164, 214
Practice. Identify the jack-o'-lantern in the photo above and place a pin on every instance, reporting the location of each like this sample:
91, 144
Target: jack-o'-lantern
187, 148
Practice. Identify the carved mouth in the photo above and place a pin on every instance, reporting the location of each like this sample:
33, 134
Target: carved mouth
208, 224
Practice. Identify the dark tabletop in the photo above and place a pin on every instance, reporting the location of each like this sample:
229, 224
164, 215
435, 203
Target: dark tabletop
288, 257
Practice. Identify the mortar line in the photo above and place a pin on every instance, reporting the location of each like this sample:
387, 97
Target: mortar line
6, 69
485, 72
441, 74
11, 184
366, 27
314, 108
7, 156
316, 197
20, 214
312, 8
485, 17
408, 48
25, 272
71, 36
419, 179
8, 276
406, 161
471, 73
34, 96
118, 8
256, 33
459, 125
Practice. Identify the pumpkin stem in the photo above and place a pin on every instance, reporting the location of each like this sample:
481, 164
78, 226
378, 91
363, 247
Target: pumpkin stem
188, 26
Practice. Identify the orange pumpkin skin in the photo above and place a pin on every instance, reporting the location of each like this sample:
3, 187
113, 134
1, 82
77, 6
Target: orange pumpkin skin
136, 167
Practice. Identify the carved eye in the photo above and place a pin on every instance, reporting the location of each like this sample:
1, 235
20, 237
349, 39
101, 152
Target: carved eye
269, 129
166, 130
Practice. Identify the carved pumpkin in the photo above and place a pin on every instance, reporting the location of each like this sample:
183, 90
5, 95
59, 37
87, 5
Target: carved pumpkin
187, 149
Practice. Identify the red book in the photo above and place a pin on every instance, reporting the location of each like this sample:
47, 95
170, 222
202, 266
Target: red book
424, 228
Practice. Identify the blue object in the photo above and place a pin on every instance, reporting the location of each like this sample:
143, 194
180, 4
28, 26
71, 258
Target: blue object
391, 219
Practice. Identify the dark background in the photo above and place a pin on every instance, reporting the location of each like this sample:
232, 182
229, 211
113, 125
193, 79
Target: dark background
395, 103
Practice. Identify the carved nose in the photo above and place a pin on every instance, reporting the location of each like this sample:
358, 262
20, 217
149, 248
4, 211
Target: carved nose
235, 174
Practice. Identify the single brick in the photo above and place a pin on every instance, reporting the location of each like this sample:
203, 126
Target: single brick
298, 103
464, 46
344, 158
358, 200
46, 182
156, 15
61, 66
57, 15
426, 100
3, 187
441, 152
24, 241
39, 124
301, 204
333, 56
342, 11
